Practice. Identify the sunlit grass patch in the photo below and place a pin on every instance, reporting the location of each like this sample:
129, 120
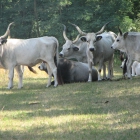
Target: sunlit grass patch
104, 110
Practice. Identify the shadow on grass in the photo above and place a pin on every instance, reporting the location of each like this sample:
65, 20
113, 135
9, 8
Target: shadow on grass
77, 99
50, 102
65, 133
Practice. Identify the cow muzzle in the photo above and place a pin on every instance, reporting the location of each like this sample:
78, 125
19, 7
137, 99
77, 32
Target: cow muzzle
92, 49
40, 67
112, 47
61, 55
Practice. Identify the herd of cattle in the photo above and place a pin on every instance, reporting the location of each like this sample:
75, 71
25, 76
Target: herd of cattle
89, 49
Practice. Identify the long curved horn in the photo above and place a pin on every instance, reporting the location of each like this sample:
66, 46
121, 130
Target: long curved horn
76, 38
102, 29
78, 29
120, 30
7, 31
64, 32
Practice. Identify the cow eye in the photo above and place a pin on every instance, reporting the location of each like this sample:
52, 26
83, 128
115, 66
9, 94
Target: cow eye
117, 40
68, 49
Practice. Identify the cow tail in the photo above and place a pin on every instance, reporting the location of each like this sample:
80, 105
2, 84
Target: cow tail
57, 52
32, 70
59, 75
125, 66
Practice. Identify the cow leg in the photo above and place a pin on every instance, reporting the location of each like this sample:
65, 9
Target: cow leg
54, 71
109, 71
110, 68
20, 70
104, 71
100, 69
11, 76
90, 71
133, 70
129, 63
50, 75
112, 65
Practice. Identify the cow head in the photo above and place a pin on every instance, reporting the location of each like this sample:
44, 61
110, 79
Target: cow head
91, 38
7, 33
119, 43
124, 58
2, 41
42, 66
69, 47
123, 64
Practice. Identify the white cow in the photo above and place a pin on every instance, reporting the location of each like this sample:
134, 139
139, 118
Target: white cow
99, 50
28, 52
129, 42
22, 67
136, 68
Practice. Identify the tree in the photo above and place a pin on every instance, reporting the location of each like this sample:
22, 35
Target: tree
41, 17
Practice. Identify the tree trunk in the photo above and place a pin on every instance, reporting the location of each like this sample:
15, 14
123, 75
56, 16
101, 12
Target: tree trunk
36, 19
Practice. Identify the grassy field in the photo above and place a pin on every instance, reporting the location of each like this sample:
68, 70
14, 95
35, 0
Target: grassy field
107, 110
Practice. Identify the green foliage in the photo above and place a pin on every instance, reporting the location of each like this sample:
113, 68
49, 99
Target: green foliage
127, 24
35, 18
137, 23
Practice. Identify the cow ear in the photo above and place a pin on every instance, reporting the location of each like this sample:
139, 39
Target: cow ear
125, 35
98, 38
3, 41
83, 39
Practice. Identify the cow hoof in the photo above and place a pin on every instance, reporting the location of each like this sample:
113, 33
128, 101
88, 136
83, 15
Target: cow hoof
48, 86
20, 87
89, 81
55, 85
9, 87
129, 78
109, 79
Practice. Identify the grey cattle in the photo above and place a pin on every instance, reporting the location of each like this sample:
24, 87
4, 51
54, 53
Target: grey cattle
129, 42
69, 49
99, 50
77, 49
123, 58
136, 68
28, 52
9, 36
72, 71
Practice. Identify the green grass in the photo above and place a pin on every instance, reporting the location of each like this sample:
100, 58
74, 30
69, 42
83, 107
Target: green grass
108, 110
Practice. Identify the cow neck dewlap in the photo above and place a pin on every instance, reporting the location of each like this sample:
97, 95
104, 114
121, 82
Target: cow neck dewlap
1, 50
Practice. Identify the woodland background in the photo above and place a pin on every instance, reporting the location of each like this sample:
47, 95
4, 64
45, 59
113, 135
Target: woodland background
107, 110
34, 18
